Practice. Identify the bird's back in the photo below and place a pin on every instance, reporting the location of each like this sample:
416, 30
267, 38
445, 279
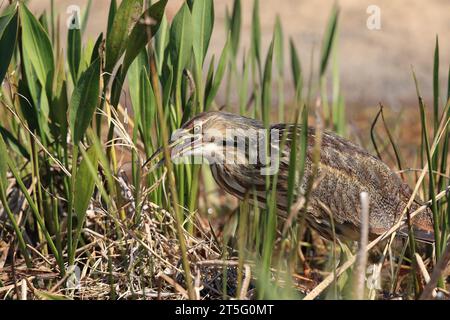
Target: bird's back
345, 170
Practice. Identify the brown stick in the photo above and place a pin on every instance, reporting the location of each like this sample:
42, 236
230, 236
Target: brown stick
439, 269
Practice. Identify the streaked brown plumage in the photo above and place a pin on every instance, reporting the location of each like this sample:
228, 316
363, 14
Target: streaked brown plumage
345, 170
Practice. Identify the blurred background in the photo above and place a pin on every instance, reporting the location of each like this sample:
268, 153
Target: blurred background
375, 65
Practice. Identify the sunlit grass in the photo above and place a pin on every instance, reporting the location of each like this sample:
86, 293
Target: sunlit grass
71, 115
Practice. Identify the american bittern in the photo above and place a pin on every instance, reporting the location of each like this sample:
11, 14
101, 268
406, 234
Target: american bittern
344, 171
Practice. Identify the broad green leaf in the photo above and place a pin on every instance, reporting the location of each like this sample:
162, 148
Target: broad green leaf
43, 113
203, 23
27, 106
147, 104
36, 45
84, 101
5, 17
8, 38
43, 20
95, 51
86, 55
74, 52
116, 87
125, 18
59, 103
30, 83
166, 83
138, 39
181, 37
84, 185
141, 34
13, 143
328, 39
134, 78
161, 43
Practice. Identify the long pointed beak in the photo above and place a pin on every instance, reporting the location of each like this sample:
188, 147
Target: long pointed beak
181, 139
153, 156
157, 153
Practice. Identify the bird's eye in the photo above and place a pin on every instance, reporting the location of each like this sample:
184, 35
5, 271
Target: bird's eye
197, 129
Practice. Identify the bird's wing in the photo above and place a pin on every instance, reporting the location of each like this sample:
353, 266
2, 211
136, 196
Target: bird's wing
345, 171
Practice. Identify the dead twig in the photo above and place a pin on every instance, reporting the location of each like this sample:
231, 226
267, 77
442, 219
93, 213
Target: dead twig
439, 269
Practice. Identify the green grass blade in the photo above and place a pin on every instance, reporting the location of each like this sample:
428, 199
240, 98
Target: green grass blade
436, 116
85, 18
445, 145
243, 92
256, 35
218, 77
111, 15
4, 200
267, 87
296, 68
392, 142
448, 84
83, 190
36, 214
328, 39
279, 46
278, 40
436, 87
432, 185
235, 26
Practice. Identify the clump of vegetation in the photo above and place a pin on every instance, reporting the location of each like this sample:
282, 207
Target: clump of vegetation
81, 218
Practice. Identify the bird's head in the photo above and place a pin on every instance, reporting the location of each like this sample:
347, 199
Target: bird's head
205, 136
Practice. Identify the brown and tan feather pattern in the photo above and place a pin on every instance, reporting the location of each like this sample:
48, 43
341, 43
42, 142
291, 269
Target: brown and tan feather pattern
345, 170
